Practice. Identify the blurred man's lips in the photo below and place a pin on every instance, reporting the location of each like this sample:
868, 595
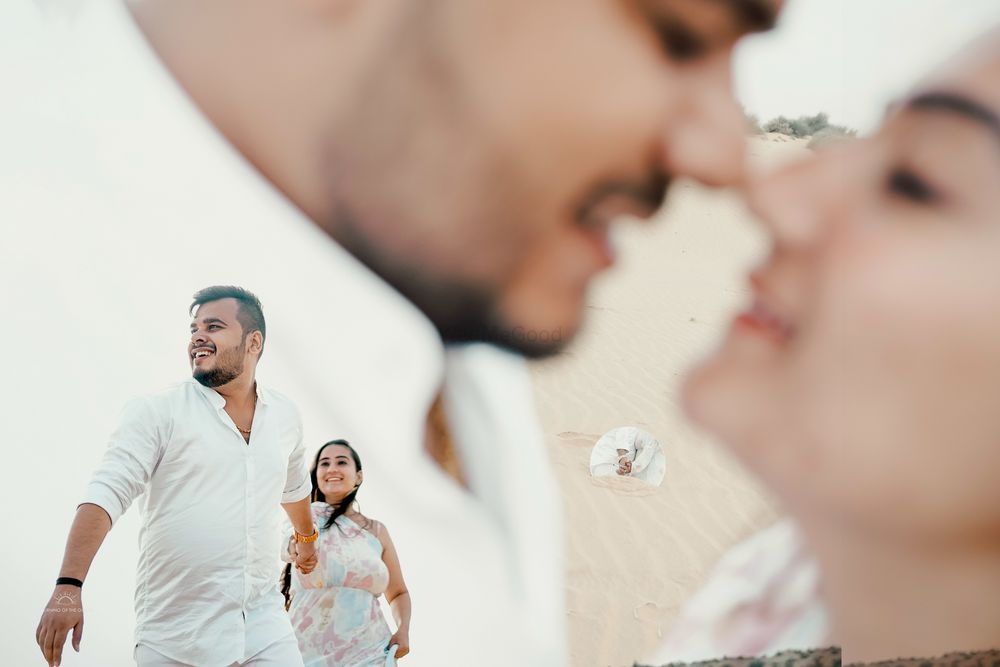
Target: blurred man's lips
600, 239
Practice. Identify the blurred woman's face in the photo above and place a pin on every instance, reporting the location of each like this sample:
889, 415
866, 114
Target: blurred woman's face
864, 383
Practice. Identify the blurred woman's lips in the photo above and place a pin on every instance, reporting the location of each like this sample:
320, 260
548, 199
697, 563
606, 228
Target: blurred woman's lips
760, 320
763, 318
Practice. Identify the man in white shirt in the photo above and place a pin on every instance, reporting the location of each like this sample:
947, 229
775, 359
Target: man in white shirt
211, 458
628, 451
404, 181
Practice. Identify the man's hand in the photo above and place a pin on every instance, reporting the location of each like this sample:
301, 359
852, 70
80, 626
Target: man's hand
305, 556
624, 466
63, 612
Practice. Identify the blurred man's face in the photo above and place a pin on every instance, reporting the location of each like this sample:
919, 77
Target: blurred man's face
489, 146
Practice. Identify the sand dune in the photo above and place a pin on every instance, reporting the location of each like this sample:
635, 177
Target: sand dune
635, 553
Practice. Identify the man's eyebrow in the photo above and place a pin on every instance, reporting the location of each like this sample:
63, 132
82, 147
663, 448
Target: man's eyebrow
208, 320
757, 15
957, 104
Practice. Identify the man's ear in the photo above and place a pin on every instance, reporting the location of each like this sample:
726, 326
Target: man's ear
256, 343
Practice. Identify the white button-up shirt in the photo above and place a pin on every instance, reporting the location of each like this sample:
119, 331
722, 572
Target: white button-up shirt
120, 200
211, 518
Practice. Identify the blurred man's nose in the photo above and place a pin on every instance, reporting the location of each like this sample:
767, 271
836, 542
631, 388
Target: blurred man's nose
706, 136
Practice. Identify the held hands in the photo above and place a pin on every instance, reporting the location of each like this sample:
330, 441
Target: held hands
303, 555
63, 612
624, 466
402, 640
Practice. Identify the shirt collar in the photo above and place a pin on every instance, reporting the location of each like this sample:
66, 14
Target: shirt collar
219, 401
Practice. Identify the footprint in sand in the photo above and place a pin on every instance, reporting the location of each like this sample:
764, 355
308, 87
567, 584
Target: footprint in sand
650, 612
575, 438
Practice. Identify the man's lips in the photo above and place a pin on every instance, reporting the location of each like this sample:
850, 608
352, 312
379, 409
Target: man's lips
606, 207
599, 239
200, 353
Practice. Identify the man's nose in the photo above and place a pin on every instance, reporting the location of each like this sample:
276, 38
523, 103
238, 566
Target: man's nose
706, 137
197, 338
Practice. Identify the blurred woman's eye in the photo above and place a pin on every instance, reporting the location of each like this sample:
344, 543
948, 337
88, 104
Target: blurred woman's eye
679, 42
906, 184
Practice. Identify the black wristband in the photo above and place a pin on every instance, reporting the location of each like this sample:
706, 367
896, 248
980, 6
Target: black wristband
70, 581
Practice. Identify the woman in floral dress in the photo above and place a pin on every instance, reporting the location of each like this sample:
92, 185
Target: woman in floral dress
335, 609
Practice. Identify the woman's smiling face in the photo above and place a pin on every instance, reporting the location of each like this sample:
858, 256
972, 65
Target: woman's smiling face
864, 382
336, 473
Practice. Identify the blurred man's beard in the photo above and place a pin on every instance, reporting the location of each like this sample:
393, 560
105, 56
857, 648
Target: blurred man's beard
228, 367
460, 311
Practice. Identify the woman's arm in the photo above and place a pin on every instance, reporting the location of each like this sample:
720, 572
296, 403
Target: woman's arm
396, 594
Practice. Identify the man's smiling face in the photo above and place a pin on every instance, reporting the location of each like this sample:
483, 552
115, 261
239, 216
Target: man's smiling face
217, 350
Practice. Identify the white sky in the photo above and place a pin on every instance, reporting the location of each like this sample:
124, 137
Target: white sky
849, 58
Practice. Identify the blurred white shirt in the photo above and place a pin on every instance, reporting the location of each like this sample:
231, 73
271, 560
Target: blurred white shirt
211, 518
119, 200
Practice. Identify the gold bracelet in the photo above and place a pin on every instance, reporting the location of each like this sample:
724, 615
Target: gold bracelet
299, 537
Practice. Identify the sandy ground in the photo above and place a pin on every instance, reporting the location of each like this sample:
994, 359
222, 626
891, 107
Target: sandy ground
635, 553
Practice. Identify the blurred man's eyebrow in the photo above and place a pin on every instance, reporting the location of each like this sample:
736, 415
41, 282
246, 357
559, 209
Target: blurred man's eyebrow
757, 15
959, 105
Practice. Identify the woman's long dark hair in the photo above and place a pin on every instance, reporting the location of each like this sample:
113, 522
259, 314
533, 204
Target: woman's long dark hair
317, 496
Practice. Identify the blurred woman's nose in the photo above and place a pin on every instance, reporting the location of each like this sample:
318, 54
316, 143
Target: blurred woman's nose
796, 203
706, 137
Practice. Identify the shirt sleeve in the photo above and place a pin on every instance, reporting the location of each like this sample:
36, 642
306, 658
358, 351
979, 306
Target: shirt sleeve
647, 448
133, 453
297, 483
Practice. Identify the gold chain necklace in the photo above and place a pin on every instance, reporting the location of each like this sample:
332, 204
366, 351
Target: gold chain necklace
247, 431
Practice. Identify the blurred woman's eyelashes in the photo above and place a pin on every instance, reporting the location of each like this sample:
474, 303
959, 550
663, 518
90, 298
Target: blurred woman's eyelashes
679, 42
904, 183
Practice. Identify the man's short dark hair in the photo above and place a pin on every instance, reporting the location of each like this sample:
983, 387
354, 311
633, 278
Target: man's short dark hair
249, 313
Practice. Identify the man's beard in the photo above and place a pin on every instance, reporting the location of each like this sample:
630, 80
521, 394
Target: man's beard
462, 312
228, 367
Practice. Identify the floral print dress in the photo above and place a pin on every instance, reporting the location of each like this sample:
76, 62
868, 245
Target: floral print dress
335, 609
